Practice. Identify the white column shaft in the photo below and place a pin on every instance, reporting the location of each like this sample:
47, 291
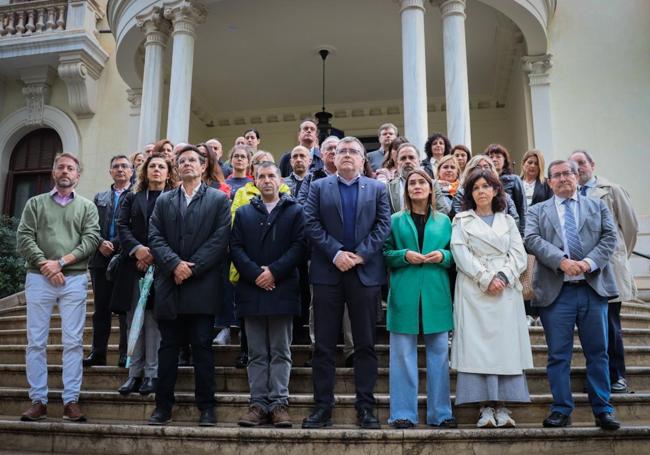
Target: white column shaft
455, 59
414, 73
152, 93
538, 69
180, 87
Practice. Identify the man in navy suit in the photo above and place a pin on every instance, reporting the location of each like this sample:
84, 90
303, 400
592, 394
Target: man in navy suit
573, 238
348, 219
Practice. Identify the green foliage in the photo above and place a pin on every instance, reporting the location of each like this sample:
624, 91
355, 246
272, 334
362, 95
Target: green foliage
12, 266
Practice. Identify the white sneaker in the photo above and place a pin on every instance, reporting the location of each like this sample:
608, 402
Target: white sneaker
223, 337
503, 418
530, 321
486, 420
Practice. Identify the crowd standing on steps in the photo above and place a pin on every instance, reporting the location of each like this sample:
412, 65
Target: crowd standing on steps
316, 248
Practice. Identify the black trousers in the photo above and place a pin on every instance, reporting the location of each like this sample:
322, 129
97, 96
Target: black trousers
197, 330
300, 323
615, 348
329, 304
102, 315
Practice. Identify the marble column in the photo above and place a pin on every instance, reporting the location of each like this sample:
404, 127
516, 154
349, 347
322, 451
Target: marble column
414, 75
538, 69
185, 17
156, 30
455, 59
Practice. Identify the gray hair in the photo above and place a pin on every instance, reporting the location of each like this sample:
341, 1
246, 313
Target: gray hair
473, 164
352, 140
266, 165
67, 155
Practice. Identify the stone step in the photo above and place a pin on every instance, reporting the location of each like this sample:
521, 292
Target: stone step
227, 355
630, 408
112, 437
631, 336
233, 380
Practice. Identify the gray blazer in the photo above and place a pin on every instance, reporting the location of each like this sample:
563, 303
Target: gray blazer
545, 240
396, 197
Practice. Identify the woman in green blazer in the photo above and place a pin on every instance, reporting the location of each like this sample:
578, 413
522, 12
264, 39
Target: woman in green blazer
418, 256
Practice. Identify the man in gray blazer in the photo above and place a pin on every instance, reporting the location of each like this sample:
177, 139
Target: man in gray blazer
386, 134
573, 238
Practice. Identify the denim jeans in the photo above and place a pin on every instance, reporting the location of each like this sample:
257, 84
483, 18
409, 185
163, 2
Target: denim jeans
403, 377
41, 296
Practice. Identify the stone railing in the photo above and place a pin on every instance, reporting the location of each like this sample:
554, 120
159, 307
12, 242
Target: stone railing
34, 17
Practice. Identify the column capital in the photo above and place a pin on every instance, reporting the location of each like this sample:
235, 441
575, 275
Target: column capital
410, 4
38, 81
155, 27
450, 7
134, 97
538, 68
185, 15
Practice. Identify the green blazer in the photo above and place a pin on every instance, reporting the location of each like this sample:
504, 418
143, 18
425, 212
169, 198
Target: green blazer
425, 283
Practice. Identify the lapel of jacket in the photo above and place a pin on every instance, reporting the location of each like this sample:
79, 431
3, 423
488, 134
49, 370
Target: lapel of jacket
362, 195
583, 210
412, 232
492, 235
393, 192
333, 187
551, 213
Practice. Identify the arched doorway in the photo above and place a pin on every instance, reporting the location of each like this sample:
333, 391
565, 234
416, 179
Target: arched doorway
30, 168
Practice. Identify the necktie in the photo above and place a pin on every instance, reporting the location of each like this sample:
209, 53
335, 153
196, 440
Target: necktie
583, 190
571, 231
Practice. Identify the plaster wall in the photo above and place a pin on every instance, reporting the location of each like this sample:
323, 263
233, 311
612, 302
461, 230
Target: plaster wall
600, 88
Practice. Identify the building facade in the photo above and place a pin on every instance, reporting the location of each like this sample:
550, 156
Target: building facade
100, 79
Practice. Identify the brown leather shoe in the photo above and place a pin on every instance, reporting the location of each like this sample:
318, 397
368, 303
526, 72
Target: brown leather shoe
255, 416
280, 417
38, 411
72, 412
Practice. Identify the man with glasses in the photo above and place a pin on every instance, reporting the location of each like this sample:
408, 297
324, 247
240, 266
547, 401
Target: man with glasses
108, 207
188, 236
348, 219
573, 238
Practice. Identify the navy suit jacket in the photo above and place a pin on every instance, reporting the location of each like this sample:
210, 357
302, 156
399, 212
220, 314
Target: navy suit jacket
324, 222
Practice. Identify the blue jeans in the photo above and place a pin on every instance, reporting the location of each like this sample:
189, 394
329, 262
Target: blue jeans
577, 305
403, 378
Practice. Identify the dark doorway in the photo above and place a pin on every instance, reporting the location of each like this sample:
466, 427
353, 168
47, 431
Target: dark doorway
30, 169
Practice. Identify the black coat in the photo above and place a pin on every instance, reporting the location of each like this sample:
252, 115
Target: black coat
276, 240
513, 185
541, 192
104, 202
201, 237
132, 228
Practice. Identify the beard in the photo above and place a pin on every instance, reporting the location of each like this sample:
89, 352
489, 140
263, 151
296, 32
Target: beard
65, 182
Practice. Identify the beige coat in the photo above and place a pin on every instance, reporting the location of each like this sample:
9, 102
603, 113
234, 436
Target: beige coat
619, 203
491, 334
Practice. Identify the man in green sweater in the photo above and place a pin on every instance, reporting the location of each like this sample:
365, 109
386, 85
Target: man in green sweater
58, 232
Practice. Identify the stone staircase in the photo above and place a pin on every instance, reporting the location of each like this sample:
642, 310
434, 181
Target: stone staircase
117, 425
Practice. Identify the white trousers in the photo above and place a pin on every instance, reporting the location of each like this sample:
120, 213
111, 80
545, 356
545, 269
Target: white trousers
41, 298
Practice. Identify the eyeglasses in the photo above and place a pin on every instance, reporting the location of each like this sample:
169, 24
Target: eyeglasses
564, 174
348, 152
239, 157
120, 166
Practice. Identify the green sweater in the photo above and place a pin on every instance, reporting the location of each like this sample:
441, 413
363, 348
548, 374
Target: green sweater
50, 231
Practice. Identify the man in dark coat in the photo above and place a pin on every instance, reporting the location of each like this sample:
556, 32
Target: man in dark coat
347, 218
267, 245
188, 236
108, 207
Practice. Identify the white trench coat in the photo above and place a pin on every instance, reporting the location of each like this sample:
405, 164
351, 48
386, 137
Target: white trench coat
491, 334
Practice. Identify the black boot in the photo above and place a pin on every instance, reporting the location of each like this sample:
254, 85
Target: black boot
131, 385
95, 359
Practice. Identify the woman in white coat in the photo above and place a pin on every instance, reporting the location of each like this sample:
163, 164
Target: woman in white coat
491, 346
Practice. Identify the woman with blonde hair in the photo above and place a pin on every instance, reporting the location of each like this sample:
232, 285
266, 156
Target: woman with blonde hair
448, 172
533, 168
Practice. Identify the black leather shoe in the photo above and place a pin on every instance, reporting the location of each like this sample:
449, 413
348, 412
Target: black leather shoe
207, 418
366, 419
606, 421
160, 417
402, 424
557, 420
95, 359
242, 361
131, 385
148, 386
121, 362
448, 423
319, 418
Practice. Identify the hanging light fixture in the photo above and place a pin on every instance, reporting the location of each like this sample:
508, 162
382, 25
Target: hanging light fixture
324, 127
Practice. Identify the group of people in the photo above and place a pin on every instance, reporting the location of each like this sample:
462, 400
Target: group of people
315, 242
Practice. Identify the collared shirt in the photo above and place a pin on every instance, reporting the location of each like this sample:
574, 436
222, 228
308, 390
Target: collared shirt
591, 183
61, 199
189, 197
348, 182
561, 209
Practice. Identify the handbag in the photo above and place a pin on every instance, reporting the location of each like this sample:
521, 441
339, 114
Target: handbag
112, 268
526, 279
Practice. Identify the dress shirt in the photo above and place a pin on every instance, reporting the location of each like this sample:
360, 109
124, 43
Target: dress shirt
560, 207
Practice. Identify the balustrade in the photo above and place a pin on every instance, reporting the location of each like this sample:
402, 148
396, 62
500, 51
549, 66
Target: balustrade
32, 18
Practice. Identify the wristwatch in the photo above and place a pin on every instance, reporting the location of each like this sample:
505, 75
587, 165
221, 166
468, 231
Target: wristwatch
62, 263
